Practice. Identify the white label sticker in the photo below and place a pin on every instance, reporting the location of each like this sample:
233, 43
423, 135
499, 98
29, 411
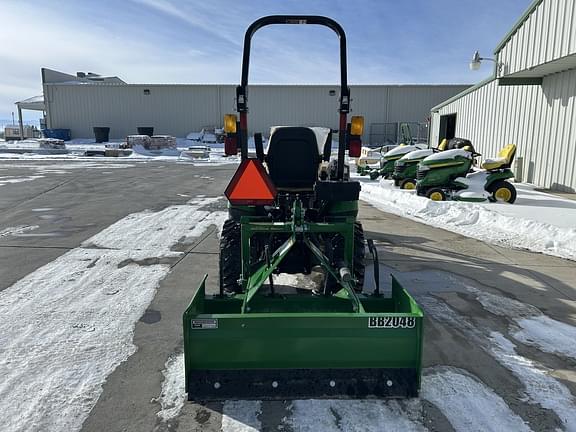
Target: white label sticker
204, 324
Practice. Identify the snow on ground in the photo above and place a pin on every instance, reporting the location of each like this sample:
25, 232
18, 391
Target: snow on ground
548, 335
530, 326
538, 221
351, 415
173, 393
4, 180
241, 416
468, 404
66, 326
540, 387
17, 230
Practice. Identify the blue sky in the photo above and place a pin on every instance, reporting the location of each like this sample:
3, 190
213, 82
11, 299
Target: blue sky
177, 41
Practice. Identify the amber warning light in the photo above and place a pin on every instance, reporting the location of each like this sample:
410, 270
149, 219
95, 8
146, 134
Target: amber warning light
250, 185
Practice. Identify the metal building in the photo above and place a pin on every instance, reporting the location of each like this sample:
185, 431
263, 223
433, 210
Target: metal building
529, 100
80, 104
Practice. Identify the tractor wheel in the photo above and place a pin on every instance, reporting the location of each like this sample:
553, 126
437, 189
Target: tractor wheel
374, 174
409, 184
502, 191
230, 257
436, 194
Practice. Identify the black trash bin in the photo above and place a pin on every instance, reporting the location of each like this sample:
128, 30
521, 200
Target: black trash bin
146, 130
101, 134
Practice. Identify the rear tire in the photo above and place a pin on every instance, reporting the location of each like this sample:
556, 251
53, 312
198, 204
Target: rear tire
230, 257
503, 191
436, 194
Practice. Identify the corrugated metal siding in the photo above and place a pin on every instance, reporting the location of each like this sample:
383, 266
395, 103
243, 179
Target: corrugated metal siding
540, 120
179, 109
548, 34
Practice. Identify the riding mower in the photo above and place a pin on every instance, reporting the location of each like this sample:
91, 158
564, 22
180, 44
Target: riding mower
406, 168
291, 211
450, 174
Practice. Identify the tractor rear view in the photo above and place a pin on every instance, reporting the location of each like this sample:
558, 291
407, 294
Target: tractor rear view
292, 210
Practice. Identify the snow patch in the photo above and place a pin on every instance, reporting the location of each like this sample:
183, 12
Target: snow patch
548, 335
241, 416
351, 415
531, 326
12, 179
469, 404
540, 387
173, 391
17, 230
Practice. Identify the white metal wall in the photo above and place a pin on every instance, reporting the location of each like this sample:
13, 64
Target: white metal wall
179, 109
540, 120
547, 34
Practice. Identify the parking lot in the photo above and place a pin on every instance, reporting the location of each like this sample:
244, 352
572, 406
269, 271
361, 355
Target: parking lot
499, 345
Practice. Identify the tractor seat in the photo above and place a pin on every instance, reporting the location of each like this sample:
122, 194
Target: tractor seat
504, 159
293, 158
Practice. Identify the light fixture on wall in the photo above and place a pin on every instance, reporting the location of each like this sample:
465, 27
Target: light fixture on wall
477, 61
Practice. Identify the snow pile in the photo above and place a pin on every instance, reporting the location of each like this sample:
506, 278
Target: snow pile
537, 227
66, 326
469, 404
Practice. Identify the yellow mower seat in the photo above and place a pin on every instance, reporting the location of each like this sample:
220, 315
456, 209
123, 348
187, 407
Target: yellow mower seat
443, 145
504, 159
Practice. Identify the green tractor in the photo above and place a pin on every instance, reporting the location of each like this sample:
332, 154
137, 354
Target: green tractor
406, 168
450, 174
291, 211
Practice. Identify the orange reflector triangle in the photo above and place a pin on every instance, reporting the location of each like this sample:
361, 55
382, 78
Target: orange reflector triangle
251, 185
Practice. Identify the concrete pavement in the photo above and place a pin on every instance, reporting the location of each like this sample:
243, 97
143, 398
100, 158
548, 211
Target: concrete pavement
438, 267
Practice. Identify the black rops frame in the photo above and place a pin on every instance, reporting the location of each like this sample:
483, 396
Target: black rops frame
241, 90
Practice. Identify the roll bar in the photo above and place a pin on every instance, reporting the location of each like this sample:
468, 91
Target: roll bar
241, 90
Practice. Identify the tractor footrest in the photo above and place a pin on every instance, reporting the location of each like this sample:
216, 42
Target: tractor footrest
280, 384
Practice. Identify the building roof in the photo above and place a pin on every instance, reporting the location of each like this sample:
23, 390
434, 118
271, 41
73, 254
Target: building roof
35, 103
465, 92
518, 24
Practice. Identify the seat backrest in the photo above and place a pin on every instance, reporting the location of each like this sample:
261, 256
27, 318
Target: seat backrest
293, 158
508, 153
443, 145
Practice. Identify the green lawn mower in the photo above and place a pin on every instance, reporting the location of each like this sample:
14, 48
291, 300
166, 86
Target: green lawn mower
292, 212
389, 159
449, 175
406, 168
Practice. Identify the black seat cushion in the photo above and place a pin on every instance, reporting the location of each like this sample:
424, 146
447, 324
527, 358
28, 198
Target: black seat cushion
293, 158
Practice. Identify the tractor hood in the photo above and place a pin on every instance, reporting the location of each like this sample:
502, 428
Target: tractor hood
416, 155
446, 156
399, 151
